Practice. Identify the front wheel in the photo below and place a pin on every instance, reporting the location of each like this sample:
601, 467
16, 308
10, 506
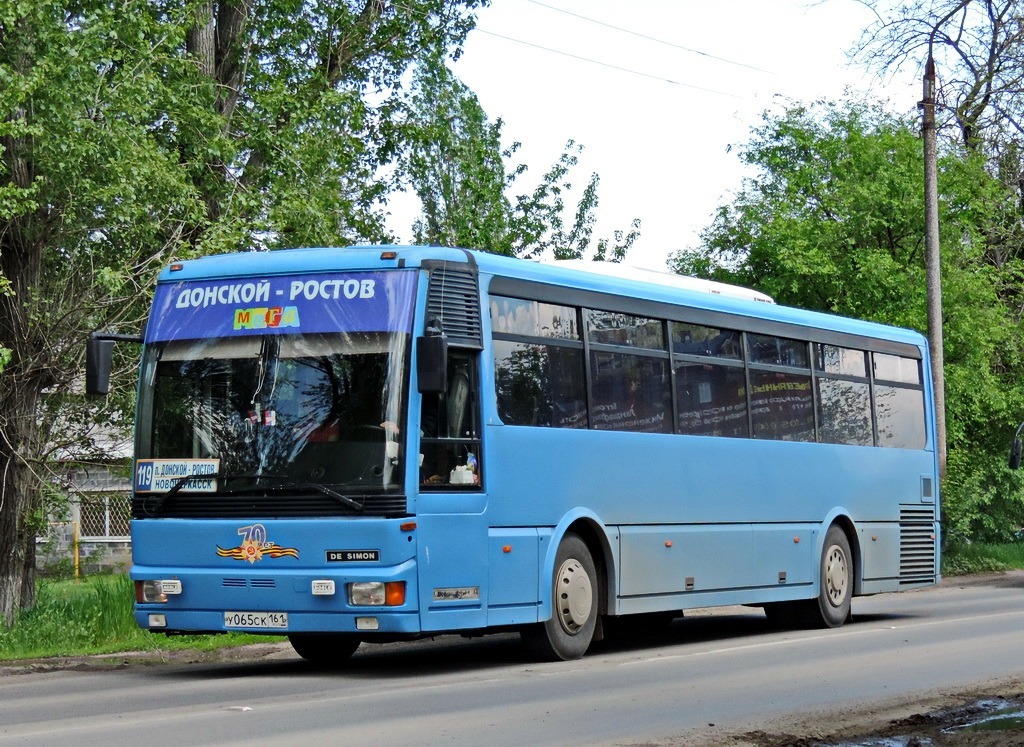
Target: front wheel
324, 649
574, 600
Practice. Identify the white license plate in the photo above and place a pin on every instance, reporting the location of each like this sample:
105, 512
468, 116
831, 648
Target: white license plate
256, 620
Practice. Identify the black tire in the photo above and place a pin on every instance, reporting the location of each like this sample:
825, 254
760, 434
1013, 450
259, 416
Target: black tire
574, 601
836, 580
831, 608
324, 649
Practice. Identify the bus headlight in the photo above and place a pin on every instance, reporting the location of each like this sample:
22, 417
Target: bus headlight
156, 592
376, 593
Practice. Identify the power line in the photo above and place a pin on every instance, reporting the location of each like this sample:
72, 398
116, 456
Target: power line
608, 65
651, 38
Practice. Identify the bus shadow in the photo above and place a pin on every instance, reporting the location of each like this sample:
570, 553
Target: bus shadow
451, 654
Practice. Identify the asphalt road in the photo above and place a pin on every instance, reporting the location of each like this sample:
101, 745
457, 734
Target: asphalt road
709, 677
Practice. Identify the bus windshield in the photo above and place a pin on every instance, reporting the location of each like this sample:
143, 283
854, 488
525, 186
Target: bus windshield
284, 410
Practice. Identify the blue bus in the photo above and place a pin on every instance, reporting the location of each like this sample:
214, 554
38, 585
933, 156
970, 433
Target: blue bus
377, 443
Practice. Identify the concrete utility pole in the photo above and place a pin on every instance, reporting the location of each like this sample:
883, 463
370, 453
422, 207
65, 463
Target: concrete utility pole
933, 265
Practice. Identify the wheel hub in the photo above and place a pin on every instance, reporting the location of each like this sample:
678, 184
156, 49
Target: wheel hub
574, 596
836, 575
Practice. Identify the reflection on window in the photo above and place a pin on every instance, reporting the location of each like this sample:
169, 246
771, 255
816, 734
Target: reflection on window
514, 316
309, 408
631, 393
712, 400
897, 368
833, 359
712, 381
845, 412
695, 339
612, 328
540, 385
900, 416
781, 406
777, 351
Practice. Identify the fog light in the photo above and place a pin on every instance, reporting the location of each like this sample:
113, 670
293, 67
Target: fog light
367, 623
158, 621
376, 593
323, 587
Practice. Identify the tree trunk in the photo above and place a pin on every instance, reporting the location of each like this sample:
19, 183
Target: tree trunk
19, 490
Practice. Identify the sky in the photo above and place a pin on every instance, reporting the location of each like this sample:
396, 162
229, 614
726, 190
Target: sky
657, 91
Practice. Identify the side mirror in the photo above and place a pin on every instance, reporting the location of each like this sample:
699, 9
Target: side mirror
432, 362
1015, 448
99, 354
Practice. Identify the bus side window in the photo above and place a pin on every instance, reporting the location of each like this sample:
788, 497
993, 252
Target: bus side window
449, 428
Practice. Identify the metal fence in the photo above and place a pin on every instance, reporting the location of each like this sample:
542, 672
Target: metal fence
104, 516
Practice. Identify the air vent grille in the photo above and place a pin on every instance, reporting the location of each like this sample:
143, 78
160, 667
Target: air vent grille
917, 545
254, 583
454, 299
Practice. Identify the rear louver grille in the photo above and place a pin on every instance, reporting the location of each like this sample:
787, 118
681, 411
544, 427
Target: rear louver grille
453, 299
917, 545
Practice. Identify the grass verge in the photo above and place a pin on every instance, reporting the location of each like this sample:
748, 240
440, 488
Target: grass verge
94, 616
962, 559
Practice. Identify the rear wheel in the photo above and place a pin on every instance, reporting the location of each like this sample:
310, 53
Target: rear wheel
831, 608
836, 590
569, 631
324, 649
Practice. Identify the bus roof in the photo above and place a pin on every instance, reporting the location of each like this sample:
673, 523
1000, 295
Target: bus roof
609, 278
654, 277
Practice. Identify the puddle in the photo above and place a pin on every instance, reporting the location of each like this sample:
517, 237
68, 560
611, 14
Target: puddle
907, 741
990, 716
993, 715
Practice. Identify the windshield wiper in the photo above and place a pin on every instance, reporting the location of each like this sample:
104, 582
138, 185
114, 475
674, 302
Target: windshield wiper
152, 503
342, 499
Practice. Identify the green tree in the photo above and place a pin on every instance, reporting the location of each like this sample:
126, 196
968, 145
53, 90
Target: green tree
978, 47
136, 131
832, 219
463, 176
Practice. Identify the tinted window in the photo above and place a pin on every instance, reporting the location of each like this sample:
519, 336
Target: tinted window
778, 351
845, 412
694, 339
513, 316
841, 361
631, 393
781, 406
623, 329
900, 416
712, 400
540, 385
